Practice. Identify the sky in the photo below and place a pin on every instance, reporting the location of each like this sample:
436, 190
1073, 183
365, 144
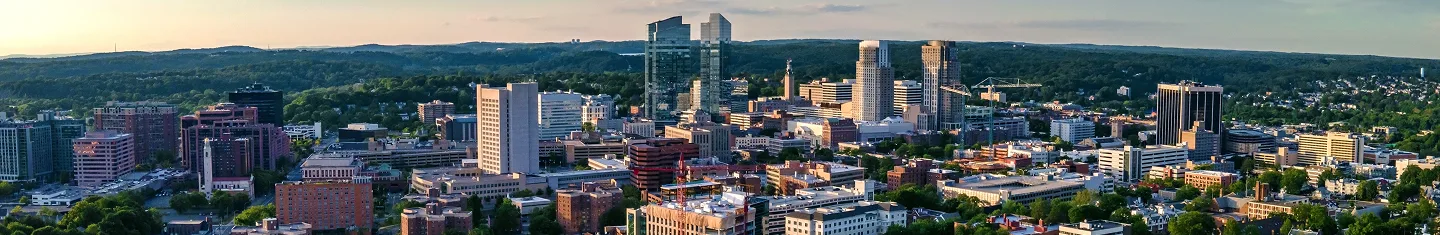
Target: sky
1404, 28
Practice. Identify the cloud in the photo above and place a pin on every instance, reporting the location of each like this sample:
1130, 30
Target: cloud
687, 7
1076, 24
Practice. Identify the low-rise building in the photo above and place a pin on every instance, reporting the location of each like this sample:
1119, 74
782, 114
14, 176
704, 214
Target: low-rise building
1157, 216
996, 190
827, 171
1203, 179
780, 206
433, 220
1095, 227
860, 218
271, 226
528, 205
578, 209
1130, 163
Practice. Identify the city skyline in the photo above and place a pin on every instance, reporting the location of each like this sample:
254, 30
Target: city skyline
1390, 28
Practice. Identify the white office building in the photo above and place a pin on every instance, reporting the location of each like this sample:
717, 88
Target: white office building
1132, 163
907, 92
1072, 130
508, 128
863, 218
600, 106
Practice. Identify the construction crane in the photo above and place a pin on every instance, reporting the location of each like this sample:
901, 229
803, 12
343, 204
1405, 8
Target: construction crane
989, 85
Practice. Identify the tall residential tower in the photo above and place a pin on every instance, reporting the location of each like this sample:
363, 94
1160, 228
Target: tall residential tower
874, 82
941, 68
714, 53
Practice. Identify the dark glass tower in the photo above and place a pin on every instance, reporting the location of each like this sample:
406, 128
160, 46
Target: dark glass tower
270, 103
1180, 106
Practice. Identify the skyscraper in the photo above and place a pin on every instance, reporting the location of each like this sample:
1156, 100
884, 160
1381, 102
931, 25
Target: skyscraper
941, 68
668, 67
266, 144
271, 103
714, 51
874, 80
1181, 105
154, 125
508, 127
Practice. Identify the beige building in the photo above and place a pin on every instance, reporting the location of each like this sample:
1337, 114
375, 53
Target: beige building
863, 218
1095, 227
874, 82
714, 139
1131, 163
1282, 156
1023, 189
1203, 179
507, 128
826, 171
472, 181
726, 213
1344, 147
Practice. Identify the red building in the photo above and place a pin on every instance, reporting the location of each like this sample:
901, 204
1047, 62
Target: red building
266, 144
433, 220
657, 152
154, 125
917, 172
326, 205
218, 113
579, 209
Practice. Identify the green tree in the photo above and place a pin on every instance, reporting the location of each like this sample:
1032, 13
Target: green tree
1294, 180
1272, 179
1367, 191
1203, 203
1084, 197
1186, 193
1087, 212
253, 215
544, 222
507, 218
1192, 223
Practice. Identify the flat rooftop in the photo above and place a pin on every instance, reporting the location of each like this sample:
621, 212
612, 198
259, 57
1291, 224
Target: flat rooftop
330, 162
1017, 185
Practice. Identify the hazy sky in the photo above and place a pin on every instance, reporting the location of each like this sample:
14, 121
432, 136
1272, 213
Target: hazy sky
1408, 28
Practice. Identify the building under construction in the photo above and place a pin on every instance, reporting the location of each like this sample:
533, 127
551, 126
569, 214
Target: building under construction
730, 212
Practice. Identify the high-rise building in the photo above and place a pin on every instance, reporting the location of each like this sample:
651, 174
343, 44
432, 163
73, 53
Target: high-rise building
941, 67
326, 205
435, 110
874, 79
714, 58
669, 66
271, 103
560, 114
1248, 141
600, 106
103, 156
1132, 163
63, 129
1181, 105
1343, 147
457, 127
907, 92
26, 152
154, 125
578, 209
266, 144
508, 129
657, 152
1072, 130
